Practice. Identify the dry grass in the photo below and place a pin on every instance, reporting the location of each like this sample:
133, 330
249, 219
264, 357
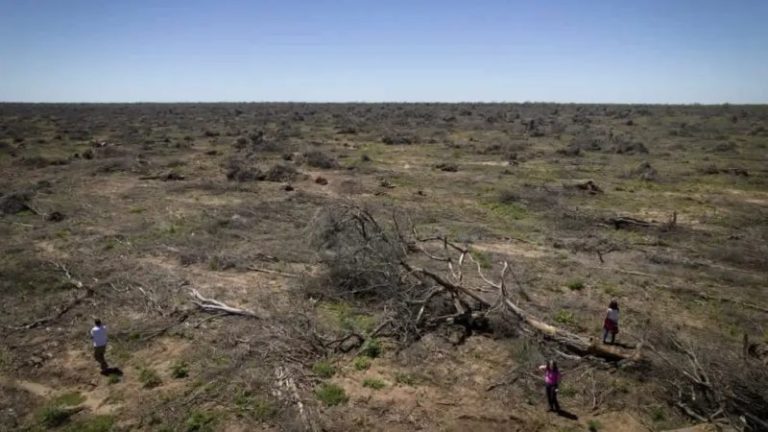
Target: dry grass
139, 238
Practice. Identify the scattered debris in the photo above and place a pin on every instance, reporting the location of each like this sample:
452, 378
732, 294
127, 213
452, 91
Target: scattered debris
447, 167
645, 172
589, 186
397, 140
55, 217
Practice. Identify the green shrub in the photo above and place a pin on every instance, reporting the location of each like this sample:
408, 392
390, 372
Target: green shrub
594, 425
54, 416
323, 369
331, 394
362, 363
69, 399
113, 379
371, 348
200, 421
149, 378
99, 423
576, 285
658, 414
263, 409
180, 369
482, 258
373, 383
258, 408
406, 379
564, 317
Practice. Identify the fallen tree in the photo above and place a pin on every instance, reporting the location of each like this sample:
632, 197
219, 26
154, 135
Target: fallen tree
367, 259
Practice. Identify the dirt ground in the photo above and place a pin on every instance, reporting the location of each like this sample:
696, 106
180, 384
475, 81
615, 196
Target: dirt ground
120, 211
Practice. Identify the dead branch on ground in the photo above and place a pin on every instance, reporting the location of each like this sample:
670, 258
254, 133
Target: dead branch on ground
213, 305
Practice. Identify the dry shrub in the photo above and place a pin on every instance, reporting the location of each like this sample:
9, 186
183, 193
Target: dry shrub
15, 202
397, 140
362, 257
319, 159
644, 171
241, 171
281, 173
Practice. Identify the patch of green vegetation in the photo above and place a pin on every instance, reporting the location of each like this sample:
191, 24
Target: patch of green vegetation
512, 211
408, 379
256, 407
4, 359
69, 399
63, 234
373, 383
371, 348
149, 378
111, 243
200, 421
113, 379
362, 363
482, 258
594, 425
52, 416
345, 317
331, 394
566, 391
180, 369
565, 317
99, 423
576, 285
611, 290
137, 210
658, 414
324, 369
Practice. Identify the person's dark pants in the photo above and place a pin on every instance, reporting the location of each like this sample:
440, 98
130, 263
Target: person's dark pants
98, 354
552, 397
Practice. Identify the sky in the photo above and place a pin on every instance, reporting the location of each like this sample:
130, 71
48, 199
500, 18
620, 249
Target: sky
592, 51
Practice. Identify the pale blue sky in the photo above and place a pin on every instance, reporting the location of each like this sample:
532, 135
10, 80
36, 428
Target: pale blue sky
654, 51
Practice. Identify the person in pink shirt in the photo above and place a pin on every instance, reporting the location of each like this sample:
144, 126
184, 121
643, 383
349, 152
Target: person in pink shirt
551, 380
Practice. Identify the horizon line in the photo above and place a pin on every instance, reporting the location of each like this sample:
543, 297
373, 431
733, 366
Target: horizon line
479, 102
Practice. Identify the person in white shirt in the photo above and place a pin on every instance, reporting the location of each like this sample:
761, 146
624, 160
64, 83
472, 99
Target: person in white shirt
611, 322
99, 338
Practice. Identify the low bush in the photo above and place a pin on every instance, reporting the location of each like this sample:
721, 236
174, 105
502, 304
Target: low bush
318, 159
149, 378
54, 416
371, 348
373, 383
324, 369
361, 363
180, 369
331, 394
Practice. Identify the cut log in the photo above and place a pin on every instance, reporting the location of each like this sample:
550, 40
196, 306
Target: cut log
576, 343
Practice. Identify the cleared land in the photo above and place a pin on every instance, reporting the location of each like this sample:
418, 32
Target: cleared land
120, 211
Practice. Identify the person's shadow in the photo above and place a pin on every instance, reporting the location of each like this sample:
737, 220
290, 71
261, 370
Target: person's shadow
112, 371
565, 414
623, 345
